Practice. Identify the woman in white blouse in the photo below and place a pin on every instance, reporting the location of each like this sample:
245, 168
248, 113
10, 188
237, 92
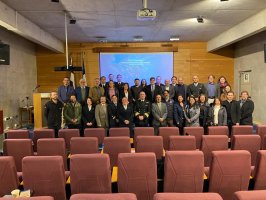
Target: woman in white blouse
218, 115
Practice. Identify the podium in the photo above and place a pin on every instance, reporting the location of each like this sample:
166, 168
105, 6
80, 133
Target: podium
39, 100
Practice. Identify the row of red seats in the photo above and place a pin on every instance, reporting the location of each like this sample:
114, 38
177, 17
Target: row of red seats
137, 173
165, 132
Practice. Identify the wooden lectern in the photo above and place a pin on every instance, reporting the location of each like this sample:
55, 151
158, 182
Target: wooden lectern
39, 100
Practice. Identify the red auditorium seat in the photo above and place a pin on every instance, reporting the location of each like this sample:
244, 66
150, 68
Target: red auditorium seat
242, 130
150, 144
67, 134
137, 173
119, 196
115, 145
229, 172
218, 130
118, 132
18, 148
42, 133
259, 171
250, 143
250, 195
95, 132
183, 171
165, 132
90, 173
261, 131
187, 196
182, 143
142, 131
8, 175
83, 145
212, 143
195, 131
52, 147
17, 134
45, 175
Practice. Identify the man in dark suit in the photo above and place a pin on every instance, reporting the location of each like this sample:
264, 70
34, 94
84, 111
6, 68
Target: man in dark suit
82, 92
196, 89
142, 110
246, 109
180, 89
152, 90
233, 111
119, 84
135, 90
158, 82
103, 83
112, 112
126, 115
65, 91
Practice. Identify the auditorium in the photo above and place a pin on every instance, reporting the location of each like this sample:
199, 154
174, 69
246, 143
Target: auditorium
133, 99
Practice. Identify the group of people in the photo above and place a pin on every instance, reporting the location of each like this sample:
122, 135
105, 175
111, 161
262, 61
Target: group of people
116, 104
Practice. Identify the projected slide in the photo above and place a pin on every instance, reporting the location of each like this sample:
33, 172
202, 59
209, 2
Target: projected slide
137, 65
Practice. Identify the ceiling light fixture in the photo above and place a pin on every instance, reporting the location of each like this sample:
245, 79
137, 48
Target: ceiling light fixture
200, 19
72, 21
138, 38
174, 38
224, 0
55, 1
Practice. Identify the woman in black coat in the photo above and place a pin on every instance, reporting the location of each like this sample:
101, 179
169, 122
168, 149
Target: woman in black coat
88, 114
179, 116
126, 92
204, 112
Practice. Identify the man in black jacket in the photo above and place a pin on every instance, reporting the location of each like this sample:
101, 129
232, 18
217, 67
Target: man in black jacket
126, 115
246, 109
142, 111
112, 112
196, 89
152, 90
53, 112
233, 111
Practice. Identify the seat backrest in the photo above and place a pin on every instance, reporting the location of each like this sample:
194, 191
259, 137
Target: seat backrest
18, 148
195, 131
41, 133
117, 196
95, 132
261, 131
229, 172
33, 198
165, 132
118, 132
150, 144
250, 143
218, 130
52, 147
83, 145
90, 173
259, 171
17, 134
212, 143
182, 143
250, 195
137, 173
67, 134
8, 175
183, 171
115, 145
187, 196
242, 130
142, 131
45, 175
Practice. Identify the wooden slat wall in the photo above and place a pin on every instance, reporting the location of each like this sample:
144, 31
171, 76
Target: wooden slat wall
191, 59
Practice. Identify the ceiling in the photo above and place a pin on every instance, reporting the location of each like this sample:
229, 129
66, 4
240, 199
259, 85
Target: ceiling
116, 19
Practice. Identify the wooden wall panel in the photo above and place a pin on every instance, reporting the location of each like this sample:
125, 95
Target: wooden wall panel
191, 58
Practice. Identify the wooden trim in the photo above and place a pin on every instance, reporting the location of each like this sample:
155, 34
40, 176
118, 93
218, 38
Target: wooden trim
134, 49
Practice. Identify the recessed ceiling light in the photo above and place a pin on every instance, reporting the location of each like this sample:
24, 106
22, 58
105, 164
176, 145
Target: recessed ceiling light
138, 38
200, 19
72, 21
55, 1
224, 0
174, 38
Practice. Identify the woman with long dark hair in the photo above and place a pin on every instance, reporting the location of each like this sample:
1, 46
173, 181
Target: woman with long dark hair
179, 116
218, 114
204, 112
192, 113
88, 114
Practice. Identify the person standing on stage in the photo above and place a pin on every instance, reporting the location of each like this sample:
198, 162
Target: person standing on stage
53, 112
